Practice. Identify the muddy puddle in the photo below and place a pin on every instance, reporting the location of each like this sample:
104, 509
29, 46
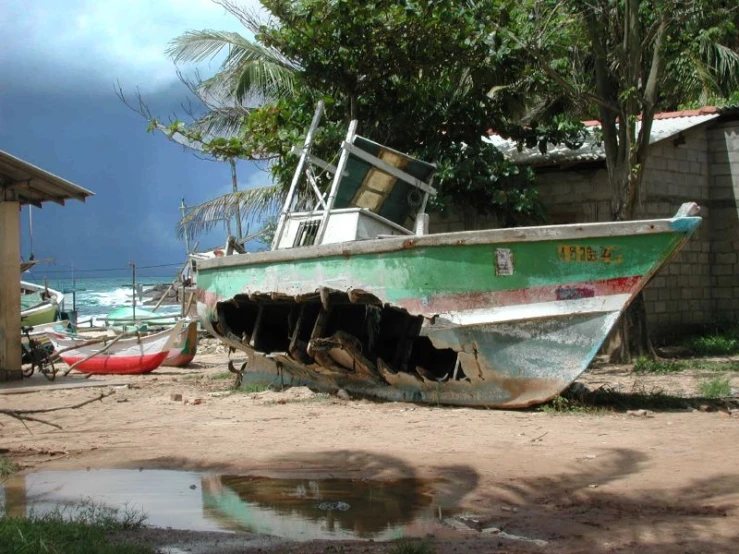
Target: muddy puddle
296, 509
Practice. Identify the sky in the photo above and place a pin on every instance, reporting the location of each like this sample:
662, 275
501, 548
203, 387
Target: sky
60, 64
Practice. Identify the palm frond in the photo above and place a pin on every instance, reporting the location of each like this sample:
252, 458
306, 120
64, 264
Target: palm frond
252, 203
269, 80
248, 69
249, 18
198, 46
723, 61
223, 121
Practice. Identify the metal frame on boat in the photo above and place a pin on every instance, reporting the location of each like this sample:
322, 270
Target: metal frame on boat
354, 294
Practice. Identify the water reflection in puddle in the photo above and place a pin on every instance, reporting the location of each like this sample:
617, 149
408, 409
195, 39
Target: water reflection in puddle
298, 509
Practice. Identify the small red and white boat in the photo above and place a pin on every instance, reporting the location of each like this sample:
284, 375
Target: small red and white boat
140, 354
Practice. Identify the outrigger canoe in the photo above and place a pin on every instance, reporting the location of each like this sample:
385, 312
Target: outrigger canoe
352, 296
140, 354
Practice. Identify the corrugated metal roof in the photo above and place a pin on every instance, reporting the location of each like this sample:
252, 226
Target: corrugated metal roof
664, 126
32, 185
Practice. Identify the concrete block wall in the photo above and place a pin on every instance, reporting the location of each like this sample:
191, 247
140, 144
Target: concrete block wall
679, 297
682, 295
576, 195
723, 225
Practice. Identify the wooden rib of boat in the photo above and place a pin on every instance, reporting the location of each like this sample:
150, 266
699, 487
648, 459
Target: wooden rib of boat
355, 294
139, 354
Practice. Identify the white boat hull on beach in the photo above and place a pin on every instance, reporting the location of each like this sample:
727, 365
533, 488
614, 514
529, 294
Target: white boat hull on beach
125, 356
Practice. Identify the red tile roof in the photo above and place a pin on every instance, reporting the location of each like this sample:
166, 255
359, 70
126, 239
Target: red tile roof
705, 110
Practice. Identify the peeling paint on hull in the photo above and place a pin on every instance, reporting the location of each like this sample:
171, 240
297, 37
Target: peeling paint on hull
504, 319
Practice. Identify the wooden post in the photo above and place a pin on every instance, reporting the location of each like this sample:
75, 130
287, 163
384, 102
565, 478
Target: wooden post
10, 290
133, 265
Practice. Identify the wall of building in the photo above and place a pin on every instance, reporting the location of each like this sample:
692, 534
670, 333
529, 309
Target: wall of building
723, 225
679, 297
682, 295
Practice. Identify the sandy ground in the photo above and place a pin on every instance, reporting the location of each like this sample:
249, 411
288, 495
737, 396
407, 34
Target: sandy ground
659, 481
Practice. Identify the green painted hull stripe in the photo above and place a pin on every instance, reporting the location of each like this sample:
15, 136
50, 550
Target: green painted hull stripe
446, 269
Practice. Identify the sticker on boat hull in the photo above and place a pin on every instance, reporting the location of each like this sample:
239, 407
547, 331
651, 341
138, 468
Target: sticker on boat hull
503, 261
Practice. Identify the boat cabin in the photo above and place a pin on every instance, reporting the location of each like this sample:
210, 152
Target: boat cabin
375, 192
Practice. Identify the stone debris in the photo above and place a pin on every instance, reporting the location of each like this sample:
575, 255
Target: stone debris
473, 522
175, 397
586, 458
458, 525
343, 395
510, 537
640, 413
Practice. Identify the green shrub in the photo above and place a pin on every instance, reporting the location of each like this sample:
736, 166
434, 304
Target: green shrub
82, 530
415, 547
717, 387
721, 342
648, 365
714, 345
7, 467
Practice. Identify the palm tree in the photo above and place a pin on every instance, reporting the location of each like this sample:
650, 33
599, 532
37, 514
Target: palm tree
251, 74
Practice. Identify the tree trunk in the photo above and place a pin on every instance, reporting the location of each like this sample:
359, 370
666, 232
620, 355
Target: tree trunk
633, 340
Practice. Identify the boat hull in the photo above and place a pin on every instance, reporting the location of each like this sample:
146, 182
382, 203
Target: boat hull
504, 318
185, 347
117, 365
44, 310
39, 315
124, 356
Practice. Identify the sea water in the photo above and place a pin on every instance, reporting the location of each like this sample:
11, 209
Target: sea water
95, 297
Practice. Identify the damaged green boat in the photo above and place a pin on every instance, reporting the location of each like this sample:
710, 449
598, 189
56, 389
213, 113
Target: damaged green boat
355, 294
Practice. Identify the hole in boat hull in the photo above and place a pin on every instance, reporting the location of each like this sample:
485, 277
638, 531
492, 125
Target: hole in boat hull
346, 333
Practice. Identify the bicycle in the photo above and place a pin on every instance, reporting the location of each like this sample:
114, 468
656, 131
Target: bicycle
36, 355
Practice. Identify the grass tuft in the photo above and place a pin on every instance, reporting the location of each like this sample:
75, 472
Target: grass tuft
81, 529
717, 387
250, 388
7, 467
578, 399
709, 365
564, 405
644, 364
221, 375
408, 547
720, 343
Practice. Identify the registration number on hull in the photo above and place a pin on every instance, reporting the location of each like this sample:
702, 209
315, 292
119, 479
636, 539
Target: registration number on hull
589, 254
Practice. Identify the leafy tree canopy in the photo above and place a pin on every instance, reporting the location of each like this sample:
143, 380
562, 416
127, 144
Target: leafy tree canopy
427, 77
